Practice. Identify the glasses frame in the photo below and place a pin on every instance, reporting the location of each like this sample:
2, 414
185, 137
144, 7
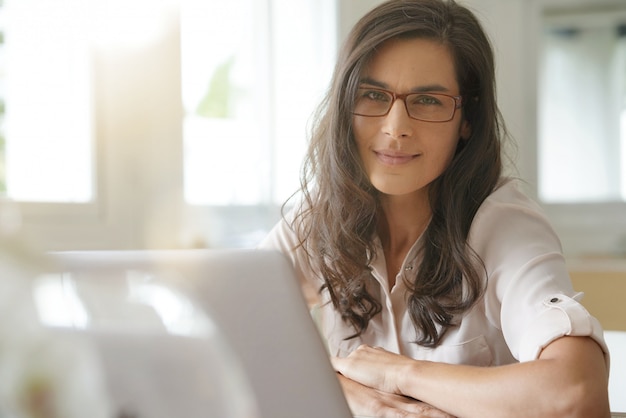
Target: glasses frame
458, 103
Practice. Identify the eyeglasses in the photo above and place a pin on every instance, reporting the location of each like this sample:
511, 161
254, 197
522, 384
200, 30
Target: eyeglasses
428, 107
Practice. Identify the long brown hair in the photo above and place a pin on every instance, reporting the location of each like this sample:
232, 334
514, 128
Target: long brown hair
338, 219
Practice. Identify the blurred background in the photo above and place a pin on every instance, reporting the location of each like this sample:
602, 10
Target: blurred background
183, 123
174, 124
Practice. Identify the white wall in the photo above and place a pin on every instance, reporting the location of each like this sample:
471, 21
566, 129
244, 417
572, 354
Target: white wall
349, 12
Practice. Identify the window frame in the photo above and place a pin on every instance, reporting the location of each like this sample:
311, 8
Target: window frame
139, 173
137, 154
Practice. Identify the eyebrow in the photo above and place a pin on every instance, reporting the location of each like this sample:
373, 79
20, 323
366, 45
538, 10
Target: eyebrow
419, 89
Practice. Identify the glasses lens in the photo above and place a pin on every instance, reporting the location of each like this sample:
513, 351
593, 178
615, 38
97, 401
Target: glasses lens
372, 102
430, 107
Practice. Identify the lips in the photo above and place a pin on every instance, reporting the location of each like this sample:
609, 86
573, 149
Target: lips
394, 158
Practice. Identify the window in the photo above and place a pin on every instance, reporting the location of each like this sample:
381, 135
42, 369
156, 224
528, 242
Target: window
247, 100
582, 108
46, 101
572, 135
157, 123
3, 186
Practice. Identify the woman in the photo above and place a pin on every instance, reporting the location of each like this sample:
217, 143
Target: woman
426, 265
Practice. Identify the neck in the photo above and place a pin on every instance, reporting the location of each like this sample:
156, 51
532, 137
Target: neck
404, 220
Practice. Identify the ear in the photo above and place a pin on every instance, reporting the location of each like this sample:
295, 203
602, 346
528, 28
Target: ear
465, 130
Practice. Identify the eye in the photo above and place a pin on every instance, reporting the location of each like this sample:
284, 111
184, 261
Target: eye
373, 95
425, 100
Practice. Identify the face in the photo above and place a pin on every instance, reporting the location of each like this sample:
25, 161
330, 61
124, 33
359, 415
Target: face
400, 155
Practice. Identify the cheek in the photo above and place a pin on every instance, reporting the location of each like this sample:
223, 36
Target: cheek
451, 149
358, 128
443, 148
361, 132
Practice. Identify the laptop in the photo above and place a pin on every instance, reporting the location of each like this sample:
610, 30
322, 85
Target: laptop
268, 346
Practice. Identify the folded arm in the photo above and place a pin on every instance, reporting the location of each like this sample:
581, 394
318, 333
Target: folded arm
368, 402
568, 379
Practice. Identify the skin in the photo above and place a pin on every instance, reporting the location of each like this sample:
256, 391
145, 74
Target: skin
402, 157
569, 379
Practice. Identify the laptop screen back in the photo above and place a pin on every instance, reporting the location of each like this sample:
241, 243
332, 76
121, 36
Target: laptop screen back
251, 296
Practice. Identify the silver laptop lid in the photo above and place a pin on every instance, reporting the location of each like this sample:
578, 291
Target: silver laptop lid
252, 297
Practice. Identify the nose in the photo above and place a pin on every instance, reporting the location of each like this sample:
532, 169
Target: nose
397, 123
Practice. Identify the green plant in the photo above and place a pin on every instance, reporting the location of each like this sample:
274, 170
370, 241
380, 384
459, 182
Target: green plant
217, 101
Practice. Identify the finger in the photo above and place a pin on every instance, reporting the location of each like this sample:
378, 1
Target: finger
388, 407
422, 409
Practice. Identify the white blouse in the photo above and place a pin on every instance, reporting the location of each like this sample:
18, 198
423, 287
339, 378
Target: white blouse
528, 303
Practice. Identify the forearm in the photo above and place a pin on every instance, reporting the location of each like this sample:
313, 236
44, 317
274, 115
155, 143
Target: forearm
572, 383
506, 391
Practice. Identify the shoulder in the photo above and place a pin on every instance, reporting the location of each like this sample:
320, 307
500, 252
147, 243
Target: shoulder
283, 237
509, 220
509, 196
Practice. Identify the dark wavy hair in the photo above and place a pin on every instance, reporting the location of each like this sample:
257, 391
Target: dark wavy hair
340, 213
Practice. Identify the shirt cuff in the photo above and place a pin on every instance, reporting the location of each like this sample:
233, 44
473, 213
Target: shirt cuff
562, 315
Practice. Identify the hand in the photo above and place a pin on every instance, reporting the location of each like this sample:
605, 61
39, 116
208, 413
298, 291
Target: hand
374, 367
368, 402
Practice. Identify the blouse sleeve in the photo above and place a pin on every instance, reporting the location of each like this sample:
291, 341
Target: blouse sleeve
529, 293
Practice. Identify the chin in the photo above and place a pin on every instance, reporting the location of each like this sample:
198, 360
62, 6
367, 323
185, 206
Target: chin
399, 185
394, 189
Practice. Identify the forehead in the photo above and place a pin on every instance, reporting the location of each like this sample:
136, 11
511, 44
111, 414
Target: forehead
407, 64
